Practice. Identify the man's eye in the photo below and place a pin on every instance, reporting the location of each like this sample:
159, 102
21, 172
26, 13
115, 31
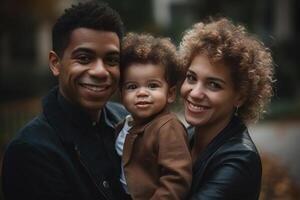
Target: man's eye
153, 85
112, 60
84, 59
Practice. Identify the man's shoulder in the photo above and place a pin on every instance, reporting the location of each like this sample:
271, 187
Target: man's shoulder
35, 132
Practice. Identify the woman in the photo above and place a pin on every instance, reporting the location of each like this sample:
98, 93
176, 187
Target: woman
228, 82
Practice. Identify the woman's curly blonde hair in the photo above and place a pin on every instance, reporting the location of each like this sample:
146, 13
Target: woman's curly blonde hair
145, 48
250, 62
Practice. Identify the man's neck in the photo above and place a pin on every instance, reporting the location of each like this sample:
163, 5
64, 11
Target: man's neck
94, 115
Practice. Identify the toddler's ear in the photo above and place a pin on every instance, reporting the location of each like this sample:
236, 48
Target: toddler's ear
172, 94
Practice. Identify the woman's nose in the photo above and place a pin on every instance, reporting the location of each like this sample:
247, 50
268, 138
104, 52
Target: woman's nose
197, 92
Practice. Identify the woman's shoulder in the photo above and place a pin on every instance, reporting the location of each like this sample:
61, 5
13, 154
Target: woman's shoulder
232, 167
239, 149
240, 142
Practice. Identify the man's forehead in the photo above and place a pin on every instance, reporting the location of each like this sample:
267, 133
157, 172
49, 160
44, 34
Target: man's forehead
94, 40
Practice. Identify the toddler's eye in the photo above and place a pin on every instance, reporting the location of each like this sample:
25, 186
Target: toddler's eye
130, 86
153, 85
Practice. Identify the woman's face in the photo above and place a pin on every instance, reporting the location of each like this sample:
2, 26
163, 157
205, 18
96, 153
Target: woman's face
208, 93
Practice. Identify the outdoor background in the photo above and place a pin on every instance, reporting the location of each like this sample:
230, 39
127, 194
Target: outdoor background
25, 39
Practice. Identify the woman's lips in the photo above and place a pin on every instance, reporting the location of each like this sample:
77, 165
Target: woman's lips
196, 107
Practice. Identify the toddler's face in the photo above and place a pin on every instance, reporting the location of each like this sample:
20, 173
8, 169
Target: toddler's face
145, 92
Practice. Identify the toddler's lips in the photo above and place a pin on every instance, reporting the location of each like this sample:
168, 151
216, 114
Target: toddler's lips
143, 104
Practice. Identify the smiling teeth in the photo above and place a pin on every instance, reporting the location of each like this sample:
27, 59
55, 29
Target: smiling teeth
94, 88
197, 107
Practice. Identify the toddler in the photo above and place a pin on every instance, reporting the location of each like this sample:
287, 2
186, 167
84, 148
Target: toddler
156, 163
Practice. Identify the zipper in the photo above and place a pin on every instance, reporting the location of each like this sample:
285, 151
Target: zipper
88, 172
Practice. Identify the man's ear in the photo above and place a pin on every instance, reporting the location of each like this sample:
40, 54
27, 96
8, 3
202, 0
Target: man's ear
172, 94
54, 63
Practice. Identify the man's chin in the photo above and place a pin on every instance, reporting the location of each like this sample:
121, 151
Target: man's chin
94, 106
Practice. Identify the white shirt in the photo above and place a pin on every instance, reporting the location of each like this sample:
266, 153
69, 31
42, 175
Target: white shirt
119, 147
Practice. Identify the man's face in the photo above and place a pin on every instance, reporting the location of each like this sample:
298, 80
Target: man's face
88, 71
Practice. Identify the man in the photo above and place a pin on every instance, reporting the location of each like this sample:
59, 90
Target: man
67, 152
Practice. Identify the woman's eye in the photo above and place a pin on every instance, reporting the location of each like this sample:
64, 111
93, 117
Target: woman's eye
190, 77
153, 85
215, 86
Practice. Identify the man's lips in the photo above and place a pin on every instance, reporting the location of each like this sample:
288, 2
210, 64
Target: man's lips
95, 87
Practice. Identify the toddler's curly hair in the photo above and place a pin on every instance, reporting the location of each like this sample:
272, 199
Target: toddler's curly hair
145, 48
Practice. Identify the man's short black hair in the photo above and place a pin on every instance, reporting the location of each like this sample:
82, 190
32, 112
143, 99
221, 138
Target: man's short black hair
92, 14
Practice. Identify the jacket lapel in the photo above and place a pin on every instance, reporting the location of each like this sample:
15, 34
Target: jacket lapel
235, 126
128, 148
130, 139
57, 118
134, 133
70, 136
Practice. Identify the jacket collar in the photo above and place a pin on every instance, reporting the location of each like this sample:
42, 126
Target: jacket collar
234, 127
140, 128
60, 114
134, 133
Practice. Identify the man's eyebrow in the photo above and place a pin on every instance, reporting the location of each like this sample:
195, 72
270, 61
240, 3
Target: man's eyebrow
113, 52
82, 49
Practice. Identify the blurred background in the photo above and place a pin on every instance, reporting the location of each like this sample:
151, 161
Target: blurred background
25, 40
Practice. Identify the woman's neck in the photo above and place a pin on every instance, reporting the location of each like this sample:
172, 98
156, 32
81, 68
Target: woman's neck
206, 133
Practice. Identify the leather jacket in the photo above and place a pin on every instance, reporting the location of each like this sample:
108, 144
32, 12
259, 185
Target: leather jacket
229, 168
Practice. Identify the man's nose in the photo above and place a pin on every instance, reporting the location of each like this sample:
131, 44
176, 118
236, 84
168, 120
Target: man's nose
99, 69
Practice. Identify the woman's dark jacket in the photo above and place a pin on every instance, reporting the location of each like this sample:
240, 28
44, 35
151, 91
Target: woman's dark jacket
229, 168
62, 155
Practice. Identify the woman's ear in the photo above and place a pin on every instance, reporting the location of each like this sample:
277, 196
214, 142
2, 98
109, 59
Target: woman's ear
240, 99
172, 94
54, 63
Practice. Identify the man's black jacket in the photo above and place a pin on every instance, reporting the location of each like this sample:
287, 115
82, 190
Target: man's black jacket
61, 154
